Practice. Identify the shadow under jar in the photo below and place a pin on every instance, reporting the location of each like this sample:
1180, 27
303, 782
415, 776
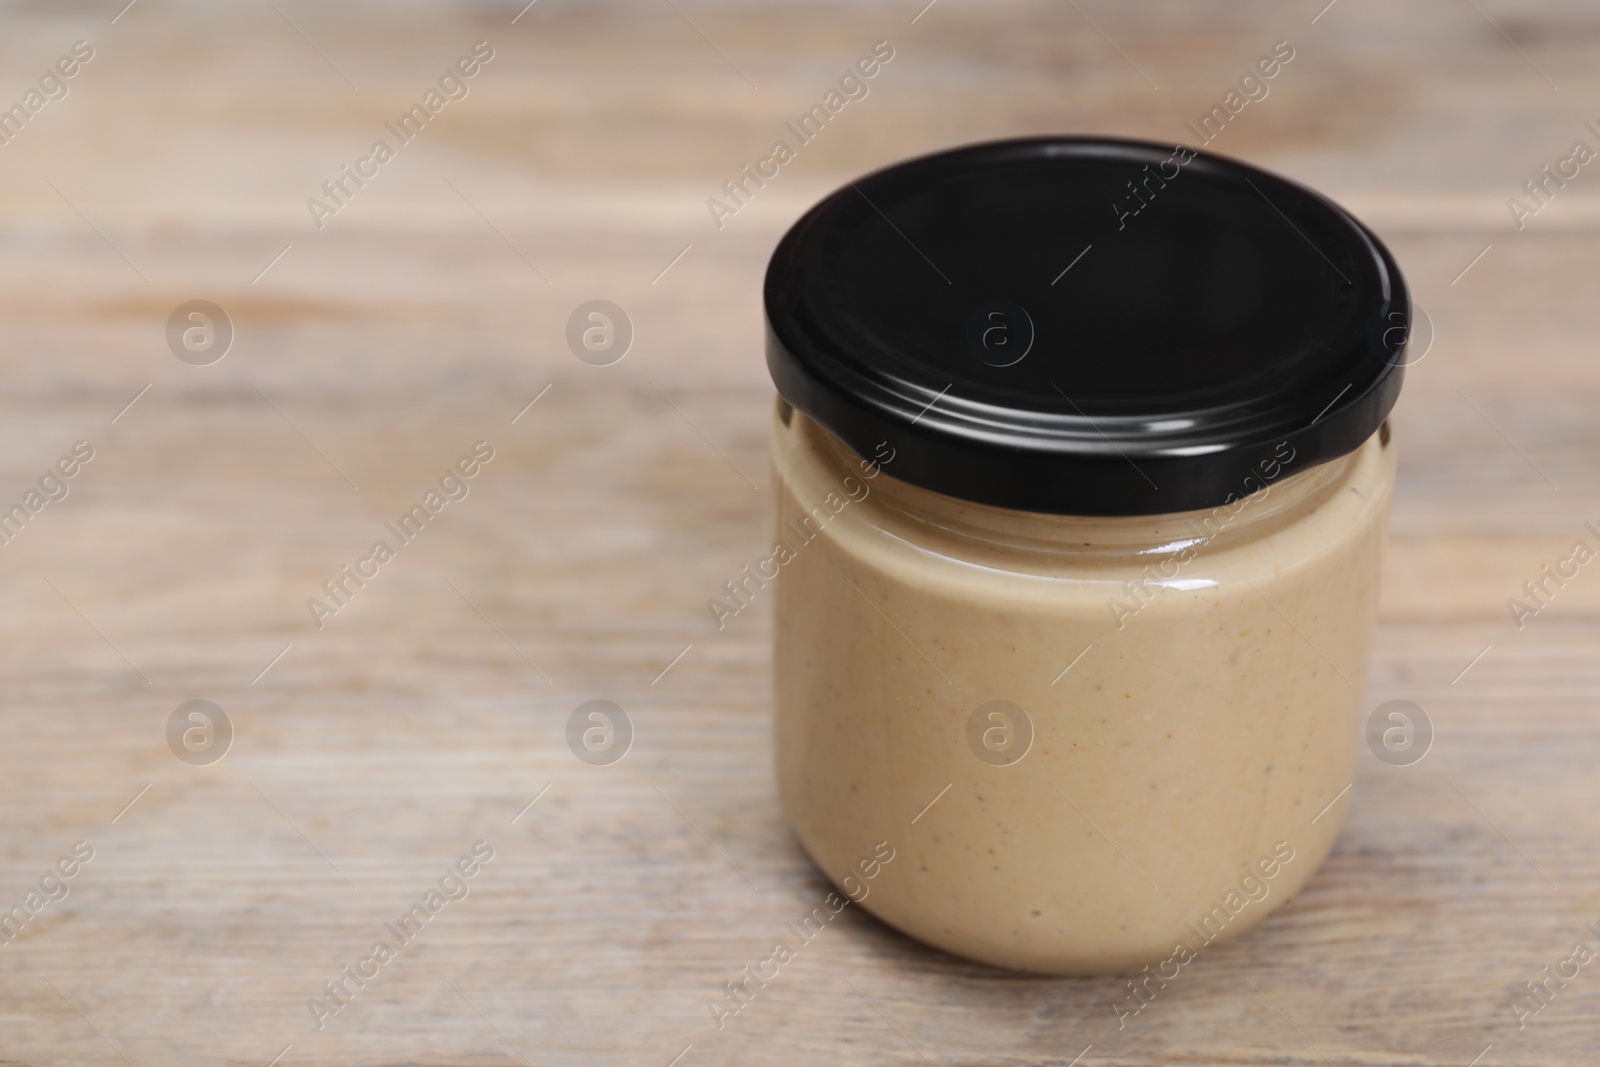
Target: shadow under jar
1084, 475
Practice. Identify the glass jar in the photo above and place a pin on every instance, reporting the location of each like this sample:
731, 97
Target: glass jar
1089, 658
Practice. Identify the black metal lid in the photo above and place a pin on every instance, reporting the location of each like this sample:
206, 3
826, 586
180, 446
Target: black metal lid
1087, 326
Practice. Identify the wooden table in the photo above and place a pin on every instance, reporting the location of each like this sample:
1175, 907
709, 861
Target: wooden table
429, 711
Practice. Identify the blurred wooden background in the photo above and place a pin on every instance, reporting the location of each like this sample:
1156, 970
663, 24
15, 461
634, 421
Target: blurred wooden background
424, 717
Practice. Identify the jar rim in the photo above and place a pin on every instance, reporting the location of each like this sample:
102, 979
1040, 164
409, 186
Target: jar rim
1276, 498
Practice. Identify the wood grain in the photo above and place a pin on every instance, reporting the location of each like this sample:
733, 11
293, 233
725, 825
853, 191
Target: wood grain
423, 718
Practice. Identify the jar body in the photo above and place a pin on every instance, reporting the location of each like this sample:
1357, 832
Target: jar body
1091, 744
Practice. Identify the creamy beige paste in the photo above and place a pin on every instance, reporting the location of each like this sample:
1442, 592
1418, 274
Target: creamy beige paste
1213, 717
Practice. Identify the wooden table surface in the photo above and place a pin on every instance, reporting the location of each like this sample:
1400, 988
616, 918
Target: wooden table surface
371, 753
